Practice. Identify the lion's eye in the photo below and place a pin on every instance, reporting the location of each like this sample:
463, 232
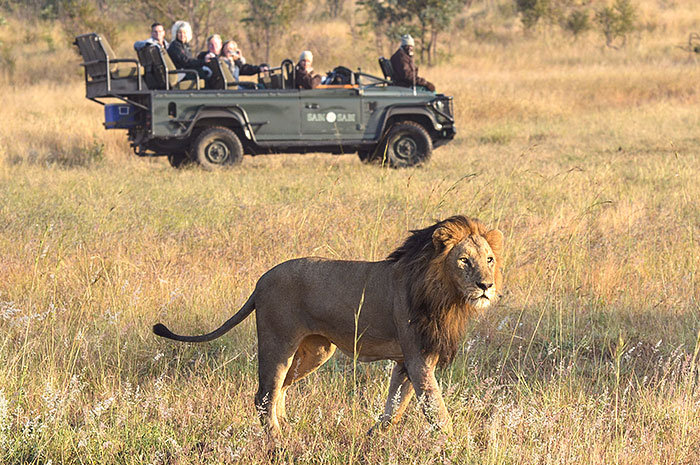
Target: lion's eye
465, 261
489, 260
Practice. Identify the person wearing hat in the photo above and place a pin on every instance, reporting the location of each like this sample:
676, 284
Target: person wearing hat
405, 70
305, 79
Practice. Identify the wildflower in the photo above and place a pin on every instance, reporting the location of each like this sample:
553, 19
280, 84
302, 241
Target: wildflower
101, 407
4, 417
339, 416
503, 324
8, 310
172, 442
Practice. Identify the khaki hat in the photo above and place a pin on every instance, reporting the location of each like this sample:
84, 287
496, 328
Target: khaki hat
406, 39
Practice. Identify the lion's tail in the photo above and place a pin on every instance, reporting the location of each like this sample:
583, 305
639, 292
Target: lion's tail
160, 329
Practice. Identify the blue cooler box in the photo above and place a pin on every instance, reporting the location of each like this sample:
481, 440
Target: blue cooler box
120, 116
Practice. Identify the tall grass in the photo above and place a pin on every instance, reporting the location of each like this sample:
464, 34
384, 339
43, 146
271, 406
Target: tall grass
586, 159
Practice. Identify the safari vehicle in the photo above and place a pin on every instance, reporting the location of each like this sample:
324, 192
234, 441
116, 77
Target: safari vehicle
172, 113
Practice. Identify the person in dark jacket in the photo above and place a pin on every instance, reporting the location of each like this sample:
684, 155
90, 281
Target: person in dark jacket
181, 53
213, 49
232, 57
405, 70
305, 79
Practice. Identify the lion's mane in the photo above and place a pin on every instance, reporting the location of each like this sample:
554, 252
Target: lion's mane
437, 309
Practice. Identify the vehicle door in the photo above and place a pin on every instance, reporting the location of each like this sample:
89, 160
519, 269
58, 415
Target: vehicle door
331, 114
273, 114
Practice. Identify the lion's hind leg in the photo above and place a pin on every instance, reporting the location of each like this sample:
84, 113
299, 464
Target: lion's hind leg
313, 352
273, 365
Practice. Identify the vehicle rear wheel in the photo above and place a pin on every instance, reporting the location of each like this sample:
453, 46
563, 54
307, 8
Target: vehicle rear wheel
406, 144
179, 160
217, 148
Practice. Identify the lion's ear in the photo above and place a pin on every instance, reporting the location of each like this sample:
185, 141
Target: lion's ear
495, 240
441, 236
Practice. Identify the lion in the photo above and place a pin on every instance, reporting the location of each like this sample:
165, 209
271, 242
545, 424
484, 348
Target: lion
411, 308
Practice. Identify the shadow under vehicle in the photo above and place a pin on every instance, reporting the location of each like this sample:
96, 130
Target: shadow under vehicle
174, 113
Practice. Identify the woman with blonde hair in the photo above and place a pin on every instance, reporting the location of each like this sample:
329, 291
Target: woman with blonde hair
181, 53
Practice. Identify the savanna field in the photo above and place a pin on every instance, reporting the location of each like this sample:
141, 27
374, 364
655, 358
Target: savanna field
587, 157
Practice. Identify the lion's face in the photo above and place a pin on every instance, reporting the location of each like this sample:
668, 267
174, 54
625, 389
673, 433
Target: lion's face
472, 266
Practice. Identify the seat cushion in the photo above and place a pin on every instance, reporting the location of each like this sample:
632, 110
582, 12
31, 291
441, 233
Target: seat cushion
125, 70
188, 85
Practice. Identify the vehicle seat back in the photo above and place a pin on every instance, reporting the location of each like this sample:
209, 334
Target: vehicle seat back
272, 81
229, 78
145, 55
104, 72
164, 74
387, 69
289, 73
217, 80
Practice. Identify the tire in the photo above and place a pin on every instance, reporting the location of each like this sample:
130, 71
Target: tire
179, 160
406, 144
216, 148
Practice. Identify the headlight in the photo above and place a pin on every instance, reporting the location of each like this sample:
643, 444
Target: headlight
439, 105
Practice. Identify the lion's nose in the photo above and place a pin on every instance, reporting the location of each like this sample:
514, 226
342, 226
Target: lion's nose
484, 286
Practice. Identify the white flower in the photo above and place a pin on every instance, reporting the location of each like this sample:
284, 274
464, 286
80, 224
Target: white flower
4, 417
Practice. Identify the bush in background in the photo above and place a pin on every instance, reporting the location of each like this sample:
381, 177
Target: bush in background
617, 21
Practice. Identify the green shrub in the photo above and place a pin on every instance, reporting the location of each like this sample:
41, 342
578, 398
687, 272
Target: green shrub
532, 11
577, 22
617, 21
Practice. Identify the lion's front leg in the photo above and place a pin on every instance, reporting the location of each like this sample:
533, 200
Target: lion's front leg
400, 394
422, 375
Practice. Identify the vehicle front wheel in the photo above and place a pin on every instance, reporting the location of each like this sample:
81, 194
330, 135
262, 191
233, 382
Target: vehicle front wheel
217, 148
406, 144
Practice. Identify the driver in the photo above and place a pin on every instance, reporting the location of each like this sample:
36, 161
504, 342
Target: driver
305, 79
405, 70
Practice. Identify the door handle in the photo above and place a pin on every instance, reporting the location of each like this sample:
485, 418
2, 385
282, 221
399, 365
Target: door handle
311, 106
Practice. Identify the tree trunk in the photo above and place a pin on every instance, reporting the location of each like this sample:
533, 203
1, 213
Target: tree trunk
434, 42
422, 43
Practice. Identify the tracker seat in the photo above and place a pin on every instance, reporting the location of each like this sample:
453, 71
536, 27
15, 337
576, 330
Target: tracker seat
105, 74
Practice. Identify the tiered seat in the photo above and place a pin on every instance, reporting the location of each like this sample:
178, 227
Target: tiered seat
160, 72
106, 74
221, 77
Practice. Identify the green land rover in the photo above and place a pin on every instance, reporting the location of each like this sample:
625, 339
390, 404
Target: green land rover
173, 113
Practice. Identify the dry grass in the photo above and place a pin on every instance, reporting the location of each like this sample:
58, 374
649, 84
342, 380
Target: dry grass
586, 158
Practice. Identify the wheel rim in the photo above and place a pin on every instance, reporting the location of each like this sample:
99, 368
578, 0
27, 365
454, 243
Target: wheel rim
217, 152
405, 148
